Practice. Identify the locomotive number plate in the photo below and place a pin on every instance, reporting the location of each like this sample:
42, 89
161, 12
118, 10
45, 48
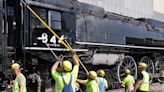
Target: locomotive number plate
41, 38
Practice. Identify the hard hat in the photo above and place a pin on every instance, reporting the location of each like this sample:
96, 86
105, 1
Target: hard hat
92, 74
142, 65
15, 66
127, 71
101, 73
66, 65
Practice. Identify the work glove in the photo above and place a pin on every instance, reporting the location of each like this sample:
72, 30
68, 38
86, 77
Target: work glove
60, 58
72, 52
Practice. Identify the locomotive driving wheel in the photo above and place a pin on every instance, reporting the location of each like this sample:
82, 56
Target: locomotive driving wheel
160, 68
127, 62
150, 65
110, 79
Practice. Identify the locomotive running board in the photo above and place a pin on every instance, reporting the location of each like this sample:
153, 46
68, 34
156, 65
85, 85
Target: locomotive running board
54, 49
117, 45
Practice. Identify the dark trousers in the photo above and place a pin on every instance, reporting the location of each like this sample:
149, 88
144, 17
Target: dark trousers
141, 91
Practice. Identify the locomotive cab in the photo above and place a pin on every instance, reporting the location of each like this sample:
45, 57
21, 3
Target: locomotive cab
38, 36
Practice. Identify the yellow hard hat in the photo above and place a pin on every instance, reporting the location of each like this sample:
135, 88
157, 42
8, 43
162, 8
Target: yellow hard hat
92, 74
127, 71
101, 73
142, 65
15, 66
66, 65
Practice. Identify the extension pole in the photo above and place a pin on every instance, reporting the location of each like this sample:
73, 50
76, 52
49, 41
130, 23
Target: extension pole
47, 26
51, 51
79, 60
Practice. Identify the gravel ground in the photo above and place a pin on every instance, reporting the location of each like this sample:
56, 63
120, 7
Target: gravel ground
155, 87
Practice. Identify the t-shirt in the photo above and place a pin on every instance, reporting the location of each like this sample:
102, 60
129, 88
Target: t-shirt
98, 79
59, 85
19, 80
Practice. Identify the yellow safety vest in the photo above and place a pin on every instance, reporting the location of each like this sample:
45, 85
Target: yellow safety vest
92, 86
16, 83
144, 86
128, 80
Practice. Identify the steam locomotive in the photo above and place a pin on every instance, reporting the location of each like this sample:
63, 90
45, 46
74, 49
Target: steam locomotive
101, 39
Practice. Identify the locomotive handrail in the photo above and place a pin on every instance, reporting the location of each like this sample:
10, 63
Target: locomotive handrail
120, 45
48, 27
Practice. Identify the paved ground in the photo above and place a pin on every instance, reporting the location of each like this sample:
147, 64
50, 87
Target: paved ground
155, 87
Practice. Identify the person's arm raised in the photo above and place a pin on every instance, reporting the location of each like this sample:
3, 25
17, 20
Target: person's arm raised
55, 66
75, 58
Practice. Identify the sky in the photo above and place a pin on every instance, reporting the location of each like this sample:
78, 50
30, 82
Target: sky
159, 6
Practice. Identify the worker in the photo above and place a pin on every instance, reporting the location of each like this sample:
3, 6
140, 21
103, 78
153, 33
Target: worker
102, 82
142, 83
128, 81
91, 83
19, 84
66, 80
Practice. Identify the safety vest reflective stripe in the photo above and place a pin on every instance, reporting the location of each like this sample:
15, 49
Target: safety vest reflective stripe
144, 86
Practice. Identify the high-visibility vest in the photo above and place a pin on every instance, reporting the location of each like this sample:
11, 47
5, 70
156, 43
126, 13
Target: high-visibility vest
144, 86
128, 80
129, 83
92, 86
15, 86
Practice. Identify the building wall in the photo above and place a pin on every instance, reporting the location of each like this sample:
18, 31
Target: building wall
158, 16
159, 10
159, 6
131, 8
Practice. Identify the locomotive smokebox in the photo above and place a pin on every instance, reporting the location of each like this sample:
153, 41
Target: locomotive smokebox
107, 59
